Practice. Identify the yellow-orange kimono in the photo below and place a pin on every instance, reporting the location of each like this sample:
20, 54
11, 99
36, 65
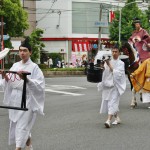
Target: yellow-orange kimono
140, 78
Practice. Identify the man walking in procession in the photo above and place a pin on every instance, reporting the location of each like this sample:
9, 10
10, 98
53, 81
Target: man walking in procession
21, 122
112, 86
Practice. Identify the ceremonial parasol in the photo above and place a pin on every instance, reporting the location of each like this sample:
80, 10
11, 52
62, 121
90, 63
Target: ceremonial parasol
3, 53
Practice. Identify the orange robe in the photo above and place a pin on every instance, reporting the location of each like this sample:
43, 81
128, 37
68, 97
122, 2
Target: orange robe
140, 78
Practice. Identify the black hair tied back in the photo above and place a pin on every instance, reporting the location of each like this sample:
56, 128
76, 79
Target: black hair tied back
26, 43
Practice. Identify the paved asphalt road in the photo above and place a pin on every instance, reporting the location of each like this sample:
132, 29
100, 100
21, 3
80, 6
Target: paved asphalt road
72, 120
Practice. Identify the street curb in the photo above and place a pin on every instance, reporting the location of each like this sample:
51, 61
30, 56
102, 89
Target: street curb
63, 73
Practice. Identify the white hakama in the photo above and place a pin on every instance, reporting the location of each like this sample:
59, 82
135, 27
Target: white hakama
19, 131
111, 106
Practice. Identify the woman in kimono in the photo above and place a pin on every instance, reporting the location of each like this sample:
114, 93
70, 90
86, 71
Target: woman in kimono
113, 86
21, 122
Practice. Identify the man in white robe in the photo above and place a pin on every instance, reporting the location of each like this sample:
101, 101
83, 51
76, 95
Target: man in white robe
113, 86
21, 122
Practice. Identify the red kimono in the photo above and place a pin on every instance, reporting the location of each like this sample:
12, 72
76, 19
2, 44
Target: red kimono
141, 39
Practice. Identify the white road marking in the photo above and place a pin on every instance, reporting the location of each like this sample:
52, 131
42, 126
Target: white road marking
62, 92
56, 88
64, 87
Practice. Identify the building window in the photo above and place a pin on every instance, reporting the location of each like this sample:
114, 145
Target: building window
84, 16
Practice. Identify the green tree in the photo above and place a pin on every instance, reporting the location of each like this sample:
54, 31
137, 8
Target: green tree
14, 16
129, 12
36, 44
8, 43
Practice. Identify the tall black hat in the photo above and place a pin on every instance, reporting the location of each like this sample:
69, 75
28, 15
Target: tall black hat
26, 43
116, 46
136, 20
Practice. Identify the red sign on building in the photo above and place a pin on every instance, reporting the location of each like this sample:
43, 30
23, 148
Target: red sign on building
80, 46
111, 16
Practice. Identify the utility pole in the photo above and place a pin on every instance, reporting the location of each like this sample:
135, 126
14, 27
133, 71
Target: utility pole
120, 17
100, 28
1, 27
2, 41
2, 23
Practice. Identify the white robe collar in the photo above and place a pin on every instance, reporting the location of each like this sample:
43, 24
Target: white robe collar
28, 62
114, 61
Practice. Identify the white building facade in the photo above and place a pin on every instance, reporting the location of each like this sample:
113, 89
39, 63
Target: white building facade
70, 26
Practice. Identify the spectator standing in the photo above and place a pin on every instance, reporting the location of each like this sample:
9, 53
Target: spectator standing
50, 62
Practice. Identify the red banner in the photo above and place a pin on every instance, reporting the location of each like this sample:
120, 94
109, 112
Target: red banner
80, 46
111, 16
88, 45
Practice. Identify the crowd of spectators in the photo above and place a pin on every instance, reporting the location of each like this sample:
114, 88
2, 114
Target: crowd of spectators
62, 64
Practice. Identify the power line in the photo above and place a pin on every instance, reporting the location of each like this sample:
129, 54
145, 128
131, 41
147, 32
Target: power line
53, 1
51, 11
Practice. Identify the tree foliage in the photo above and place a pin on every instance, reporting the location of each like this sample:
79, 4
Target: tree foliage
15, 17
129, 12
36, 44
8, 43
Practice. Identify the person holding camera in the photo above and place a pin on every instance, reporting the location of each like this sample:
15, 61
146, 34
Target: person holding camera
113, 85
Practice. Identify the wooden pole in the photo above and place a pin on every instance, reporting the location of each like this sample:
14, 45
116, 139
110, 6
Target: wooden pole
100, 29
2, 40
